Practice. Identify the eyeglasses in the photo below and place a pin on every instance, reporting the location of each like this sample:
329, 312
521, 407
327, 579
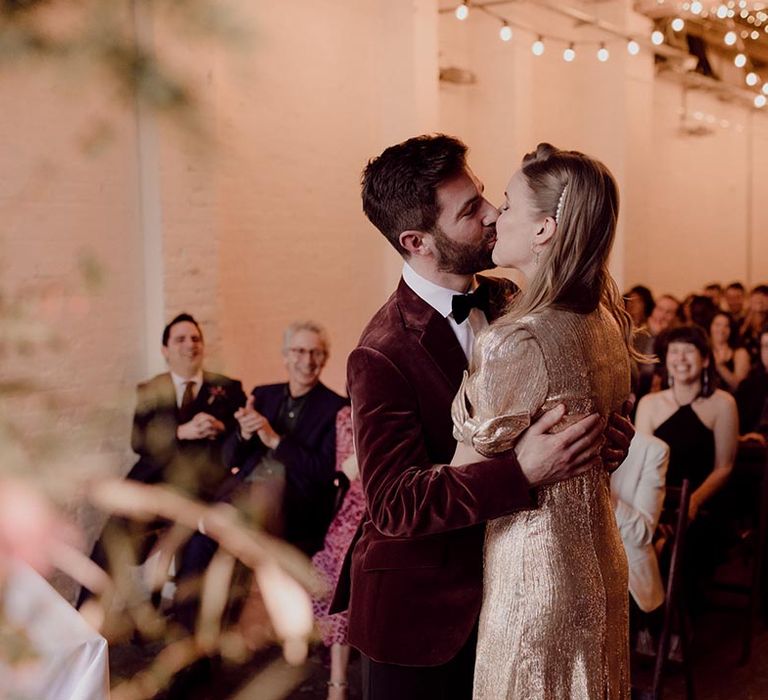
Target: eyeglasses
301, 353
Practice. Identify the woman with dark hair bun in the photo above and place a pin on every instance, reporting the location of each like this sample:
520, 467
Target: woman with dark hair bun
698, 421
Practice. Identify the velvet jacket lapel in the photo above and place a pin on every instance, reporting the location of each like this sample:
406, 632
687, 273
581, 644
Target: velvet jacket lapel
434, 334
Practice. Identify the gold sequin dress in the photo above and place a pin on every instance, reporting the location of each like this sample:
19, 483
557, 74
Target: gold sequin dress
553, 624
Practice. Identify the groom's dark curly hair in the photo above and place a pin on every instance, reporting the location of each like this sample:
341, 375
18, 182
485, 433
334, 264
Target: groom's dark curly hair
400, 186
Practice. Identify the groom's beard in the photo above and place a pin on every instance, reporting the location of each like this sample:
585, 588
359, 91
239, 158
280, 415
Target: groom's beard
464, 258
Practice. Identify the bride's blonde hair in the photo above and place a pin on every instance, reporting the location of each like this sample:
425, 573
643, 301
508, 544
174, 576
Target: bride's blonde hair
580, 193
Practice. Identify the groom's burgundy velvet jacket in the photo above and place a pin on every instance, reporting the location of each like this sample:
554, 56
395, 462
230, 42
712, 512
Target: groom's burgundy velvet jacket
416, 571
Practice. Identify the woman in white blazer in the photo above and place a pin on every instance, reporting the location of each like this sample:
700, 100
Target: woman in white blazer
637, 488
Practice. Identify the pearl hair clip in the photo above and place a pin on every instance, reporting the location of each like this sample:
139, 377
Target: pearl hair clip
560, 203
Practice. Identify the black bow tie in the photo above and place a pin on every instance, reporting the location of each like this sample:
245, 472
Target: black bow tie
462, 304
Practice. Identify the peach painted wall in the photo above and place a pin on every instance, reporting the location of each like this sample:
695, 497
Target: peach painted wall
326, 86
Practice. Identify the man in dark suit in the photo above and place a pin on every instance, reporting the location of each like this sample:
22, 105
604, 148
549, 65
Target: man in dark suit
179, 426
288, 431
283, 455
416, 569
183, 415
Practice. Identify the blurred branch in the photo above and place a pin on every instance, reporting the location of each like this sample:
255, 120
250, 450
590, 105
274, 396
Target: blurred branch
100, 34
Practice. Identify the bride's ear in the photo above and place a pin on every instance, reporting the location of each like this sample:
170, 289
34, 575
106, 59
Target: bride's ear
546, 231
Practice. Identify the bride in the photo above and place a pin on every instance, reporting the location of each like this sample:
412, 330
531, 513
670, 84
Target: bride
554, 617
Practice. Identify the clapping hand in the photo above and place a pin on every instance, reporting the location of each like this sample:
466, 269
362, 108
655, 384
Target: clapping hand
253, 423
202, 426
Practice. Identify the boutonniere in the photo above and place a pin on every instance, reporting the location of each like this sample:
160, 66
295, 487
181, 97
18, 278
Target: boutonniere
216, 392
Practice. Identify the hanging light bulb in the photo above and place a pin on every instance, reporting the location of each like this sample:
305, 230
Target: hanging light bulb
752, 79
760, 101
755, 35
722, 12
537, 47
678, 24
602, 54
765, 88
569, 54
657, 38
740, 61
696, 8
730, 38
505, 33
633, 48
462, 11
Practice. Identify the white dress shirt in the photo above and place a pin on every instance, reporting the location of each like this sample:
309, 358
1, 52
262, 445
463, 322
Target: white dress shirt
180, 384
441, 300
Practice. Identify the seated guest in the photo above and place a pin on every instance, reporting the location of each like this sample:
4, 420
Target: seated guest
664, 314
329, 560
752, 397
701, 311
180, 421
754, 321
731, 362
734, 300
289, 427
282, 452
700, 425
715, 292
639, 304
183, 415
637, 491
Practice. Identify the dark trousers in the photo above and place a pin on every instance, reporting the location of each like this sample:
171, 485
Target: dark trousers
449, 681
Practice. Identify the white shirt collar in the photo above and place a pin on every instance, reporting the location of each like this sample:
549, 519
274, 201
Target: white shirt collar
180, 383
439, 298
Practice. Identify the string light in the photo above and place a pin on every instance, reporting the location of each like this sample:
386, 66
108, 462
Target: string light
765, 88
537, 47
657, 38
755, 35
740, 61
633, 48
696, 8
569, 54
505, 33
602, 54
760, 101
678, 24
722, 12
462, 11
730, 38
752, 79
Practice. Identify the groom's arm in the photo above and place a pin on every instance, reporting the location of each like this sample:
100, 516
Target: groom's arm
406, 494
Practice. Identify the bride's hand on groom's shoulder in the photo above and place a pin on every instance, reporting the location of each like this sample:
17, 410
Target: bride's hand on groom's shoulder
546, 458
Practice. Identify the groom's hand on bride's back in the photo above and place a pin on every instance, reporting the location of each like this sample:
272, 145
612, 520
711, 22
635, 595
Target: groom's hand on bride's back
546, 457
618, 434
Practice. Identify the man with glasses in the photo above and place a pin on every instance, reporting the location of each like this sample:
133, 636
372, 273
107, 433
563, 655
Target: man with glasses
286, 440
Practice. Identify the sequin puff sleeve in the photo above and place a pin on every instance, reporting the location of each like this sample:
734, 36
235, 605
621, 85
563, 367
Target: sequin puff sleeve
507, 385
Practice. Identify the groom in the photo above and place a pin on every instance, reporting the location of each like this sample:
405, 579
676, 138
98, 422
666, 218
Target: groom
416, 570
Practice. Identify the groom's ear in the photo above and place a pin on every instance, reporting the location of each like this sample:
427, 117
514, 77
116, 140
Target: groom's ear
415, 242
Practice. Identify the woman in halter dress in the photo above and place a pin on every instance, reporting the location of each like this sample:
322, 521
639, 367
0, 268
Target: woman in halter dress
700, 424
553, 622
